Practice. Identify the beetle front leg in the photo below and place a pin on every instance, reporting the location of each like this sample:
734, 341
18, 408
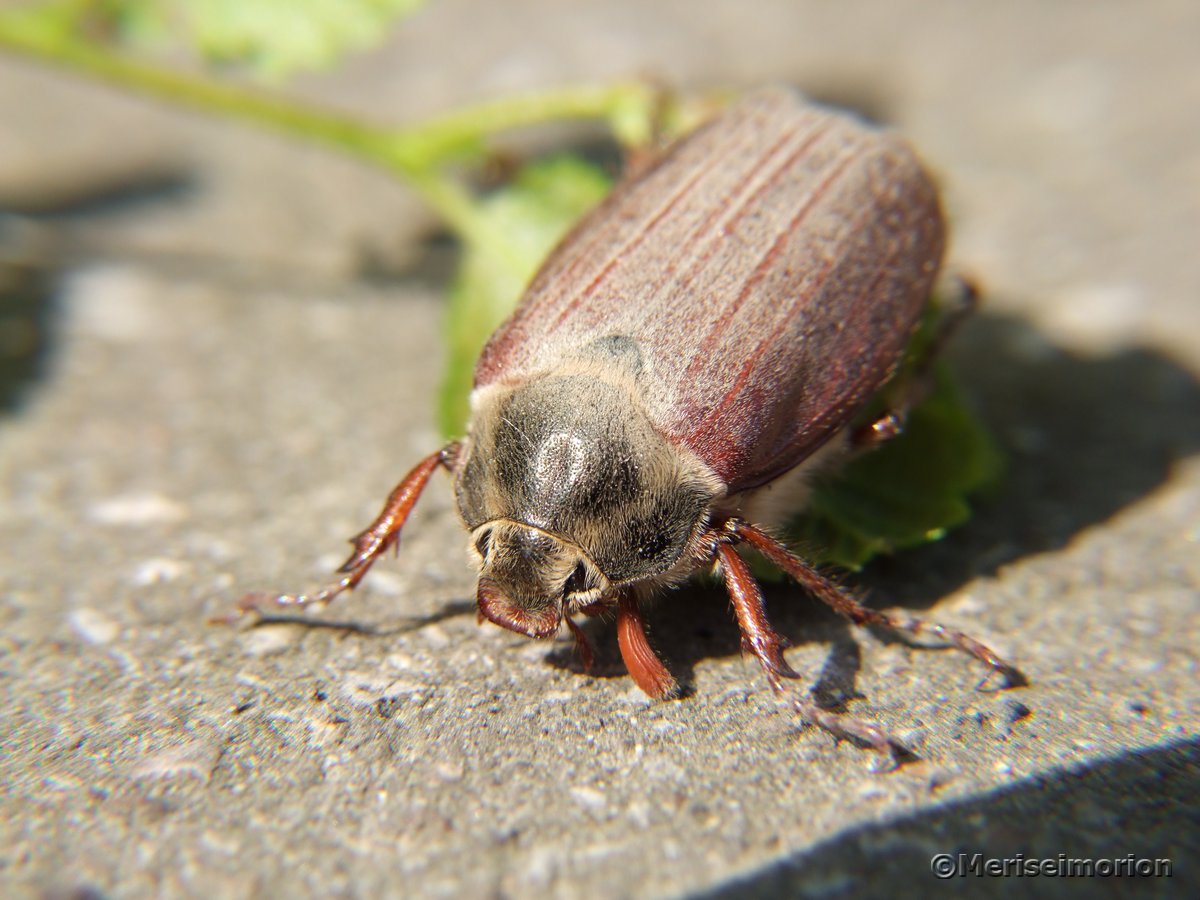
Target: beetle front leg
372, 543
644, 666
760, 639
843, 604
583, 646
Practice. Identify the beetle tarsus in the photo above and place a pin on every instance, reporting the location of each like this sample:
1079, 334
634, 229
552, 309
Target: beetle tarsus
760, 639
1009, 674
255, 601
866, 734
842, 603
957, 298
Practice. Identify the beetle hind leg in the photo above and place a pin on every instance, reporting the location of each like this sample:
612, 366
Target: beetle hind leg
957, 300
843, 604
372, 543
760, 639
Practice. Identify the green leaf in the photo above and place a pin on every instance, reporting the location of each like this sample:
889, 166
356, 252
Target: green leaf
272, 38
907, 492
524, 219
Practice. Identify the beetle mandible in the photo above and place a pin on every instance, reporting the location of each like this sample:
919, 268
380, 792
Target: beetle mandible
690, 351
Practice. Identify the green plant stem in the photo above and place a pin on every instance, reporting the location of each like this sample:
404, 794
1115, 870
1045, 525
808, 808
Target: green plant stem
413, 152
466, 126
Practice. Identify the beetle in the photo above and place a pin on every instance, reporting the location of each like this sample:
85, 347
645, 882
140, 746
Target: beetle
690, 352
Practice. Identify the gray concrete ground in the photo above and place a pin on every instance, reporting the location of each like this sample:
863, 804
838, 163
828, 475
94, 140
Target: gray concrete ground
221, 401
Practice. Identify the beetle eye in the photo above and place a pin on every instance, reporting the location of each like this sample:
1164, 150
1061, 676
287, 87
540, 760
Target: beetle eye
577, 583
483, 544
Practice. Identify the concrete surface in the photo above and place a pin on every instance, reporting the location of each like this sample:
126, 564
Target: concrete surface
221, 399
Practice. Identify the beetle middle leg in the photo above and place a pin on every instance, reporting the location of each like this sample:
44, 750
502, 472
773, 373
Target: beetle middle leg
372, 543
842, 603
760, 639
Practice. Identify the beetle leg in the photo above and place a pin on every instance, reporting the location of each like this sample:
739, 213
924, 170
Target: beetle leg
958, 300
583, 646
644, 666
843, 604
383, 533
760, 639
642, 156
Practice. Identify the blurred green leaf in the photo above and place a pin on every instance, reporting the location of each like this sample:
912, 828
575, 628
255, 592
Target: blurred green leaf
273, 38
526, 217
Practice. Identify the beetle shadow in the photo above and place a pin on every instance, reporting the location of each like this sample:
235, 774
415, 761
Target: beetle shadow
264, 617
1084, 436
696, 622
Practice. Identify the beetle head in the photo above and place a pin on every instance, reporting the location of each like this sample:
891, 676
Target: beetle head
529, 577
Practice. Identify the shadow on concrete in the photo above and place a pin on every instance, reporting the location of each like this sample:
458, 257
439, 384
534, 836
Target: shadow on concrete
32, 247
123, 191
1085, 436
1142, 804
28, 316
265, 615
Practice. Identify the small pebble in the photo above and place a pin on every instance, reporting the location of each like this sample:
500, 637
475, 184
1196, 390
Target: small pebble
137, 509
93, 626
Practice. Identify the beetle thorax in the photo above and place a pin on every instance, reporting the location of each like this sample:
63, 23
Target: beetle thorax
569, 490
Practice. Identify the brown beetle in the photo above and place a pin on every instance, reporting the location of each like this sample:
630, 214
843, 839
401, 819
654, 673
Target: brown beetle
688, 352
